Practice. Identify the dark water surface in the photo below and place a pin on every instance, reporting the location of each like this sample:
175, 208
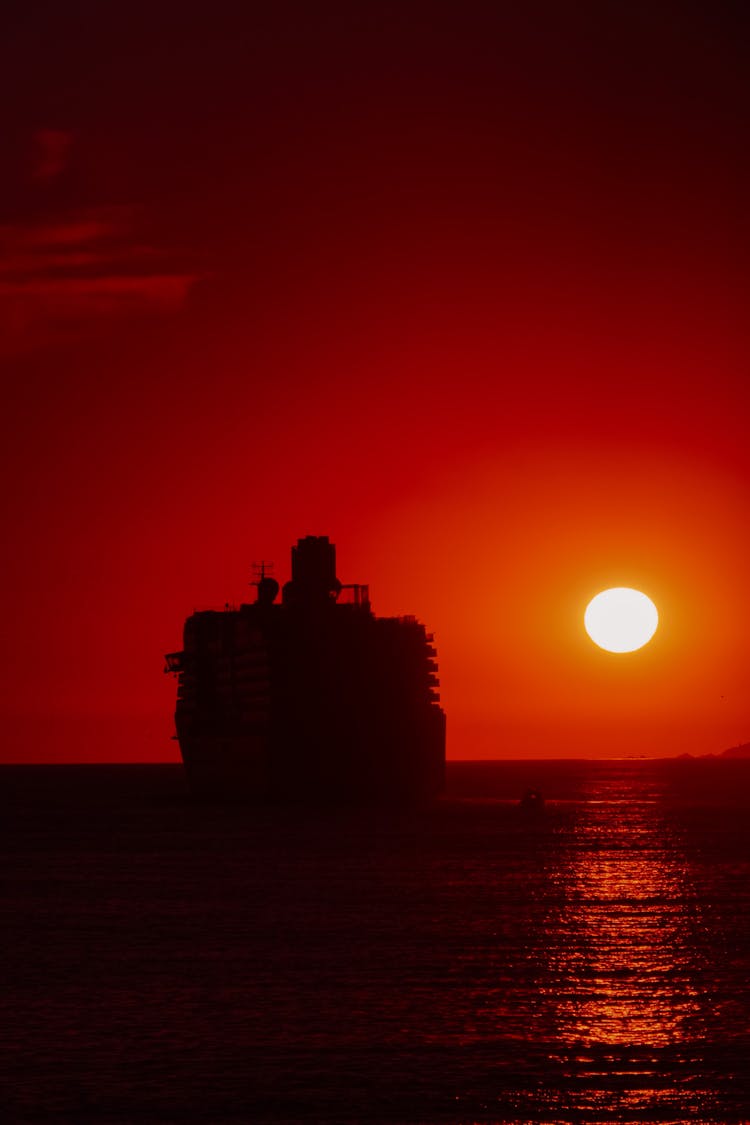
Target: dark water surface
164, 961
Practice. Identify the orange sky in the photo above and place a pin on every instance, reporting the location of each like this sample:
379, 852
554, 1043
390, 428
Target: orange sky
465, 292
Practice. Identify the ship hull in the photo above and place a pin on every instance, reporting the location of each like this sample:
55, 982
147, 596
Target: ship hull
384, 765
226, 767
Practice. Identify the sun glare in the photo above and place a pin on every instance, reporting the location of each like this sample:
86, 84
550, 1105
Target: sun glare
621, 619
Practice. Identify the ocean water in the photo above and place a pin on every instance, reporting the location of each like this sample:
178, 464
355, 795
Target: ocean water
166, 961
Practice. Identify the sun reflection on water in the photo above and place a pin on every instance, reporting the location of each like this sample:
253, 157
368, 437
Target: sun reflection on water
622, 965
628, 948
622, 960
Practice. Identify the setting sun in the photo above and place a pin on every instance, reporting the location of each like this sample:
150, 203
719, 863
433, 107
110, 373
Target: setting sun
621, 619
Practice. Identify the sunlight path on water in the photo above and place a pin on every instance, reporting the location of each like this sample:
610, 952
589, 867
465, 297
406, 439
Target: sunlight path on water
625, 957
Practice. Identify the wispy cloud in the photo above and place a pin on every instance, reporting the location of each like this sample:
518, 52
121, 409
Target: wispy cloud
58, 277
96, 226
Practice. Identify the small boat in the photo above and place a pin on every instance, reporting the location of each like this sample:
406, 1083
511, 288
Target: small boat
532, 801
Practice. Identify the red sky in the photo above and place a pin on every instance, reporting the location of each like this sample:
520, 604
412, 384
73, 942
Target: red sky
464, 289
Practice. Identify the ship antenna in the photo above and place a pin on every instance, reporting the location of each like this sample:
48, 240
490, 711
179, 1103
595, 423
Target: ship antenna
259, 570
267, 587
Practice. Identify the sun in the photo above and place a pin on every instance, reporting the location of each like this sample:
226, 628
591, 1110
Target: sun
621, 619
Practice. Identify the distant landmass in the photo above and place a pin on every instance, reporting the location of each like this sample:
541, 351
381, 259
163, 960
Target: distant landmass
741, 751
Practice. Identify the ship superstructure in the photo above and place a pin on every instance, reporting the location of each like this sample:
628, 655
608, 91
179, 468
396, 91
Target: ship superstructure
310, 697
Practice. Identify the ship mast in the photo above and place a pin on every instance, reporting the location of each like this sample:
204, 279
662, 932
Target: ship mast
267, 588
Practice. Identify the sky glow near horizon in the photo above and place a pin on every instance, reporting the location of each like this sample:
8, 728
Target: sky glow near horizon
407, 282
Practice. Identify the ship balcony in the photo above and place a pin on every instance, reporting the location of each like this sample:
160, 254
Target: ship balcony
354, 594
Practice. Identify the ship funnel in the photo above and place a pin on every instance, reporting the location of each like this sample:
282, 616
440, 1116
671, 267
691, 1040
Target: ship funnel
314, 571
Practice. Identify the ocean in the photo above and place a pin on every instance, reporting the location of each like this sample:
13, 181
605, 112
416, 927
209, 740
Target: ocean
166, 961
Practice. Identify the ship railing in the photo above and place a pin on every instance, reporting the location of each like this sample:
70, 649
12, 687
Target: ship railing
354, 593
227, 607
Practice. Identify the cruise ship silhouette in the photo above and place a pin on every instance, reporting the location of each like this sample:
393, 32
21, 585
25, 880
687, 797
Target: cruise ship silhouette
312, 697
